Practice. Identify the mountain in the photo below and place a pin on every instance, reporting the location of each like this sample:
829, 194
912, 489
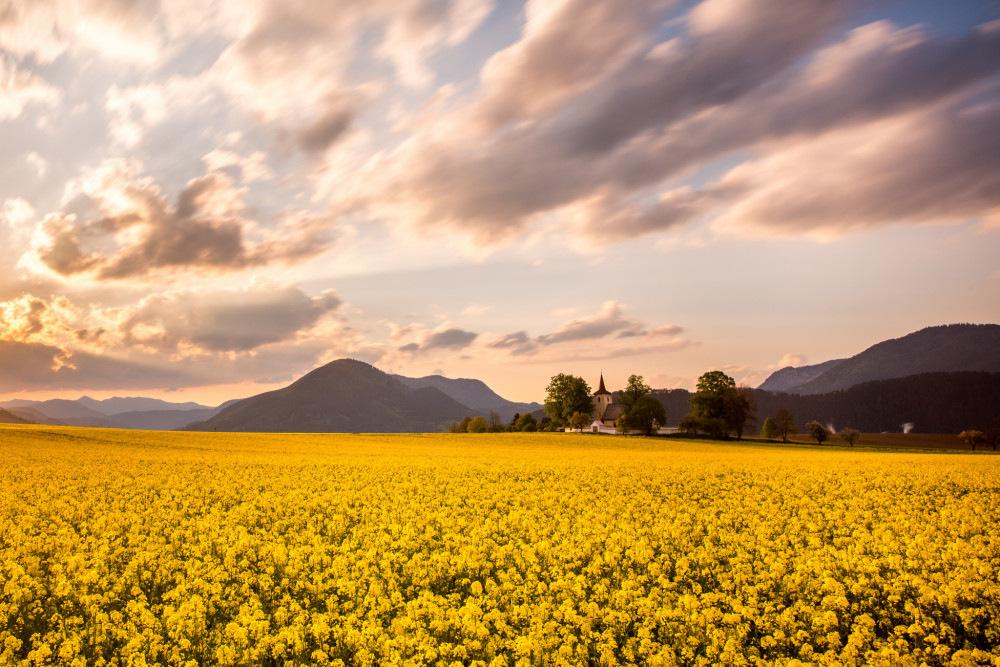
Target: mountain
163, 420
61, 409
118, 405
344, 396
474, 394
32, 415
929, 402
790, 377
949, 348
7, 417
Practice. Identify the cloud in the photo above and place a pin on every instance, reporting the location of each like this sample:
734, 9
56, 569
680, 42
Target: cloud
325, 130
233, 320
566, 47
123, 228
593, 337
791, 359
192, 337
290, 58
934, 165
609, 320
34, 366
19, 89
445, 336
518, 343
44, 29
598, 161
252, 167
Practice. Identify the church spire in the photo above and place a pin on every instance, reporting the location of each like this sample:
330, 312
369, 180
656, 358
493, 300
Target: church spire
601, 389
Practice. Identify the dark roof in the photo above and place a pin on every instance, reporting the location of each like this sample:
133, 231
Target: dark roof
613, 412
601, 389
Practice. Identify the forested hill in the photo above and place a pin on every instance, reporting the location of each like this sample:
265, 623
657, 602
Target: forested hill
343, 396
932, 402
944, 349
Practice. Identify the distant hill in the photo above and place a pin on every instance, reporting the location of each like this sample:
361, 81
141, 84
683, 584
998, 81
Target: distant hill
930, 402
344, 396
7, 417
55, 408
790, 377
33, 416
163, 420
950, 348
118, 405
474, 394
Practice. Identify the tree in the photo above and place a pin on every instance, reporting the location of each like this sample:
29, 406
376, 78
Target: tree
579, 420
713, 428
454, 427
817, 432
769, 430
621, 424
566, 395
709, 399
849, 435
632, 392
647, 415
739, 407
971, 438
526, 422
478, 425
494, 422
786, 424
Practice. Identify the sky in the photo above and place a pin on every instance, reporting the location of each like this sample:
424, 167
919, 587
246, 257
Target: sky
206, 200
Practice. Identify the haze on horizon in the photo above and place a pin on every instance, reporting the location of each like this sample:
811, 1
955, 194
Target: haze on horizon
206, 200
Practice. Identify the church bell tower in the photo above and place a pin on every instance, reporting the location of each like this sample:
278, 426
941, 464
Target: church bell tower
602, 399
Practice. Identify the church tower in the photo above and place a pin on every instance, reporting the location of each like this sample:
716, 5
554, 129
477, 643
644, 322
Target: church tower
602, 399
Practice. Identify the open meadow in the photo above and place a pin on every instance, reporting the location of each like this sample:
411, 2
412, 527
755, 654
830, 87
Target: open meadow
143, 548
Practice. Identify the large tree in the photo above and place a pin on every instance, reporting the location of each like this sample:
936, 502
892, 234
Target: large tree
647, 415
708, 405
709, 399
739, 408
786, 424
818, 432
565, 395
633, 391
849, 435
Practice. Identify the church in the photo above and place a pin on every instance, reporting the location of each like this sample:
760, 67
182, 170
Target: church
606, 411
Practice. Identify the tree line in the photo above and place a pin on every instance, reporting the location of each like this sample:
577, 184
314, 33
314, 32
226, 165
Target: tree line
935, 402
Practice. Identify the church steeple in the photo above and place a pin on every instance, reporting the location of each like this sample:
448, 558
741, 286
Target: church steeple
602, 399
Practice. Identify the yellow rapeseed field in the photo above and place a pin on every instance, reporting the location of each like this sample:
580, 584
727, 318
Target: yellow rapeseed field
134, 548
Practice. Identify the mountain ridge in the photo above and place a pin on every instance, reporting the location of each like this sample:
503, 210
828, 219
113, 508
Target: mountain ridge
939, 349
475, 394
343, 396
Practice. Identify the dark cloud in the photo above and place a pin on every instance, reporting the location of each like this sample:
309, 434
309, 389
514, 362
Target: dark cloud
454, 339
34, 366
136, 234
451, 338
224, 320
325, 130
518, 343
565, 49
609, 322
936, 165
739, 75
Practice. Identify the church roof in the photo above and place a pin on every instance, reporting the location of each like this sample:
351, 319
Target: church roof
601, 389
613, 412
